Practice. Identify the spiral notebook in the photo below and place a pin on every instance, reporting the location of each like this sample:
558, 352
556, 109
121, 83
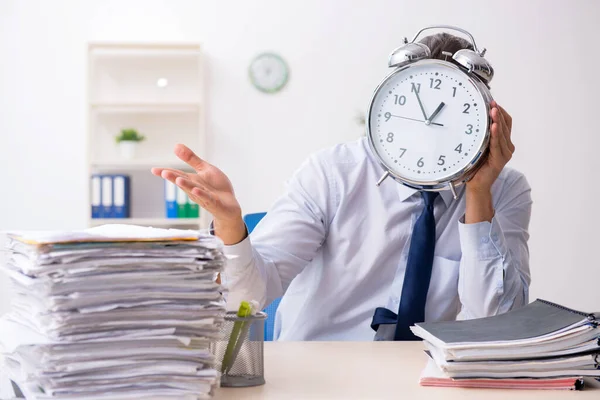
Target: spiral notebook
542, 345
539, 329
538, 321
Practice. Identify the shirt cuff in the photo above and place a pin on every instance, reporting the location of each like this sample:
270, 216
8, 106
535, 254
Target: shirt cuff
239, 255
483, 240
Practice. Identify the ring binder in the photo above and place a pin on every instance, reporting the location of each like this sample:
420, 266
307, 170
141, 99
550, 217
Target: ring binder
542, 340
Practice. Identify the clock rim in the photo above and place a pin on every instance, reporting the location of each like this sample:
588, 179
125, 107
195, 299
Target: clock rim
462, 175
285, 70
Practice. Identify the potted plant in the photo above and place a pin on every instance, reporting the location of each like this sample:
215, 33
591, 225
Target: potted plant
127, 141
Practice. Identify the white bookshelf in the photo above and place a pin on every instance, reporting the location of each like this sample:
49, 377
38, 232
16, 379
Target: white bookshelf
157, 89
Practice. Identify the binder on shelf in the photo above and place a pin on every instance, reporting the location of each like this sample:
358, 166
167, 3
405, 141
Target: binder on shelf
107, 197
121, 197
181, 203
188, 208
171, 199
96, 196
193, 210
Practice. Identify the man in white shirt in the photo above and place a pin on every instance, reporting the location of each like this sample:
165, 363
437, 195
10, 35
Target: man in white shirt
335, 246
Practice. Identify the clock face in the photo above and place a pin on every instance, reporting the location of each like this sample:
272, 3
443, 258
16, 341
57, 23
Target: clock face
268, 72
428, 122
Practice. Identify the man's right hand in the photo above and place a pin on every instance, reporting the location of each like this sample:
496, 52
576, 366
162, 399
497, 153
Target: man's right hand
212, 190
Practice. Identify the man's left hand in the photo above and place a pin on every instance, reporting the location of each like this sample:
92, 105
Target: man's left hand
501, 150
479, 205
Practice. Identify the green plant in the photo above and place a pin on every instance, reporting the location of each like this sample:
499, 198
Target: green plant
130, 135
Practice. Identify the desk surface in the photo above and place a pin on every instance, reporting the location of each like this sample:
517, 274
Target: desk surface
363, 370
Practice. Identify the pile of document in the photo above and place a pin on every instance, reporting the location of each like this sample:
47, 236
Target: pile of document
540, 346
113, 312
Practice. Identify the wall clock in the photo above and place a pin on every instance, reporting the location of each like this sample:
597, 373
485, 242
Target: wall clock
268, 72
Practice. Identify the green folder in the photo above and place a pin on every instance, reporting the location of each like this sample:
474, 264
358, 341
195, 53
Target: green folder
193, 210
182, 200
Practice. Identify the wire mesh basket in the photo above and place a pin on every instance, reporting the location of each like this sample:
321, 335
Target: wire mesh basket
240, 351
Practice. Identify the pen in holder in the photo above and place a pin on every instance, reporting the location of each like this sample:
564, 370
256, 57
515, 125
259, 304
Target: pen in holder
240, 351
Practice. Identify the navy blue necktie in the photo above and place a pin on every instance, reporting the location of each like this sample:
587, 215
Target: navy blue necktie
416, 277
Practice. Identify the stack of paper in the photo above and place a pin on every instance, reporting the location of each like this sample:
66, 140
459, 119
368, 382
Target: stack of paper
113, 312
542, 345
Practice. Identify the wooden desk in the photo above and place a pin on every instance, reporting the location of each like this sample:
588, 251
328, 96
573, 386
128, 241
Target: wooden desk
363, 370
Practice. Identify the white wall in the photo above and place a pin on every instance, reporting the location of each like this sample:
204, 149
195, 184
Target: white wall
544, 53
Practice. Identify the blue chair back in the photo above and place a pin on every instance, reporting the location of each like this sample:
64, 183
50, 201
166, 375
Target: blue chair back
251, 221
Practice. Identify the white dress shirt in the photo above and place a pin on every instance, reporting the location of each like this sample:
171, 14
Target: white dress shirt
335, 247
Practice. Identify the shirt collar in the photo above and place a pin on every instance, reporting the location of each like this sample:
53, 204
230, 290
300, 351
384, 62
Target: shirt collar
405, 192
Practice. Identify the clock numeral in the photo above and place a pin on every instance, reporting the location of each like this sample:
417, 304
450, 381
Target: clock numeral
390, 137
420, 163
387, 116
416, 88
453, 91
466, 106
400, 100
458, 148
438, 82
441, 160
403, 151
469, 129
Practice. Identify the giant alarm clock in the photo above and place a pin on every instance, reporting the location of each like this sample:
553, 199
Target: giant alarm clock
428, 121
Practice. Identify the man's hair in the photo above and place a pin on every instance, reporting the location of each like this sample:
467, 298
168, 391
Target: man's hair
445, 42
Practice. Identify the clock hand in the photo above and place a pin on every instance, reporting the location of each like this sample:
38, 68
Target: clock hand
413, 119
419, 100
436, 112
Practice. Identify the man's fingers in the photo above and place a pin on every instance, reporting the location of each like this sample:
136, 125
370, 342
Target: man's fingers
197, 193
168, 172
502, 114
185, 183
157, 171
504, 145
499, 150
507, 128
495, 146
511, 146
495, 149
189, 157
507, 120
172, 174
506, 116
504, 131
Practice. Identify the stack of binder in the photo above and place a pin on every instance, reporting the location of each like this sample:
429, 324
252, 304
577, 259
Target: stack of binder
111, 196
541, 346
113, 312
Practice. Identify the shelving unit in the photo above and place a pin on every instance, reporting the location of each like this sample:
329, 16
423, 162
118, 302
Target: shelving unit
157, 89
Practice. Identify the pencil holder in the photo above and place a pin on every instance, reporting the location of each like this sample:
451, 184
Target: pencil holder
240, 350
